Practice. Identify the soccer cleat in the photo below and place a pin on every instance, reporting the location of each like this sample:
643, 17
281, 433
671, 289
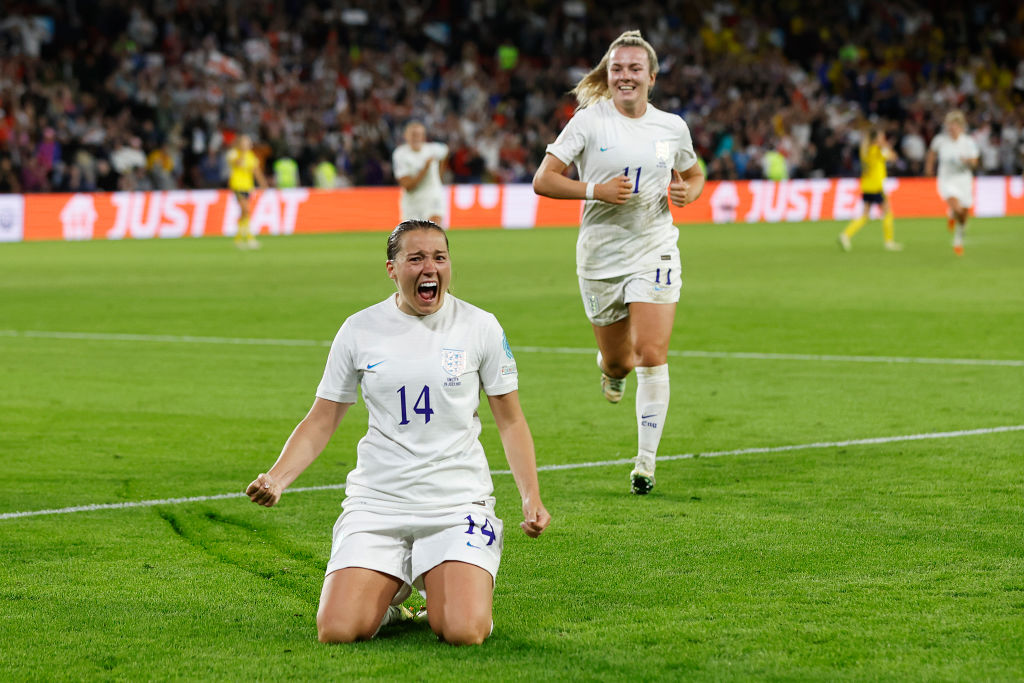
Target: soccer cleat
252, 243
642, 477
420, 615
844, 242
958, 249
611, 387
396, 614
893, 246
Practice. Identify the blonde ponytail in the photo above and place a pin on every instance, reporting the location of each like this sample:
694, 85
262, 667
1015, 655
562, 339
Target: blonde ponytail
594, 86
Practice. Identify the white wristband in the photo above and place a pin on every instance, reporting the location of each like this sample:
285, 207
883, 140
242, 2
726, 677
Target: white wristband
590, 190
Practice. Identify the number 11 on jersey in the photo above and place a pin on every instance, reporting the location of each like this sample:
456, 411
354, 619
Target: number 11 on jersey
636, 185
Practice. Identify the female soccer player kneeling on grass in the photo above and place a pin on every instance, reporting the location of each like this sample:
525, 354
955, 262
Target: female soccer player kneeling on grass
418, 509
627, 153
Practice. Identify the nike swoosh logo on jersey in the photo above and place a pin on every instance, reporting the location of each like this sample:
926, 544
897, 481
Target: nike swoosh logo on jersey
605, 149
644, 417
371, 366
472, 546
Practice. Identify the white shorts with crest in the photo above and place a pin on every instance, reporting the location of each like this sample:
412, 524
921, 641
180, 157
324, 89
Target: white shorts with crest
607, 301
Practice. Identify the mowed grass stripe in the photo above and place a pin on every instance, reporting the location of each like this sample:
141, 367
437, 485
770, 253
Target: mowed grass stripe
549, 468
736, 355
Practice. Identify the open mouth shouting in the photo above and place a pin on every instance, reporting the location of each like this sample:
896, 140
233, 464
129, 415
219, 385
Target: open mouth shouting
427, 291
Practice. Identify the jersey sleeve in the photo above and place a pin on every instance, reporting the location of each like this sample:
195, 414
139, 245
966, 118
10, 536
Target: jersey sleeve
569, 144
440, 151
498, 372
341, 378
685, 156
402, 164
935, 144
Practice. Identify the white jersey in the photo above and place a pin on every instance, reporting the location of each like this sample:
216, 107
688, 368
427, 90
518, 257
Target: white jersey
408, 162
621, 239
954, 176
421, 378
951, 152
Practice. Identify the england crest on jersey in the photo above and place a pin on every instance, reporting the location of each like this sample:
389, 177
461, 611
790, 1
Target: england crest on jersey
663, 151
453, 361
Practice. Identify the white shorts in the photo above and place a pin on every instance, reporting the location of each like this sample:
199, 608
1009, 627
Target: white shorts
423, 206
407, 544
607, 301
961, 188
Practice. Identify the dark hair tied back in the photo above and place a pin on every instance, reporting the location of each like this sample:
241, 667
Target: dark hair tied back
395, 238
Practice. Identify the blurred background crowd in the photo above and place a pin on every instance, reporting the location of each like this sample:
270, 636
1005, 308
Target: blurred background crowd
118, 95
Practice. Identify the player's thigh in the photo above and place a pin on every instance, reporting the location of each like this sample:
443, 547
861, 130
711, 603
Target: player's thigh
352, 603
957, 193
651, 325
455, 560
459, 601
652, 295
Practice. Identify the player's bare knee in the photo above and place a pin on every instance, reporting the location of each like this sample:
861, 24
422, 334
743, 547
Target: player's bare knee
651, 355
465, 633
617, 367
335, 630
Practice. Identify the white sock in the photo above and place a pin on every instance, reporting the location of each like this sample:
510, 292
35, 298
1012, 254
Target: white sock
652, 394
958, 234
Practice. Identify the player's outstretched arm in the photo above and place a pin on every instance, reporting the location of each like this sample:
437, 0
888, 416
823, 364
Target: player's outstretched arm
307, 441
518, 444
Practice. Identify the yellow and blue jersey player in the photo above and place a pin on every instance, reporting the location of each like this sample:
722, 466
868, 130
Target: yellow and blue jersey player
245, 172
875, 152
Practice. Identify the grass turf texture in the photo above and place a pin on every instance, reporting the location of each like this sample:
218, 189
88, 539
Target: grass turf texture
899, 560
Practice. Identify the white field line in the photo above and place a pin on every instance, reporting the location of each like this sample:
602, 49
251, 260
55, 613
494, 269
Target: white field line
735, 355
549, 468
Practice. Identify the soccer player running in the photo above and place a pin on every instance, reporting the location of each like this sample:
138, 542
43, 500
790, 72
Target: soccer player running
245, 172
418, 509
875, 151
627, 153
957, 154
417, 166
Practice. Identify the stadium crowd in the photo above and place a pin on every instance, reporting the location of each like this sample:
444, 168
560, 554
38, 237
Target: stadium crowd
116, 94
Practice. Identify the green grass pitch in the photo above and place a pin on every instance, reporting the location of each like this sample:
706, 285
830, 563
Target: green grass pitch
879, 561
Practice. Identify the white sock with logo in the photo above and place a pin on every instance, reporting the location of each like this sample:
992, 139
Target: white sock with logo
652, 394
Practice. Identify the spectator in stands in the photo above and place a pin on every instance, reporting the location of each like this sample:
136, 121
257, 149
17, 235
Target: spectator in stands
312, 80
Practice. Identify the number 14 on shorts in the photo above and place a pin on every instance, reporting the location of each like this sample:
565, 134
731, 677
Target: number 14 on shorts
486, 530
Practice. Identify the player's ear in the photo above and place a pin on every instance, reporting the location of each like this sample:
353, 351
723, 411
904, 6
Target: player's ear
389, 265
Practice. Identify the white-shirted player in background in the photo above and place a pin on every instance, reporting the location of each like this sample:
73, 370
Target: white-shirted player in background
957, 154
418, 509
627, 154
417, 166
